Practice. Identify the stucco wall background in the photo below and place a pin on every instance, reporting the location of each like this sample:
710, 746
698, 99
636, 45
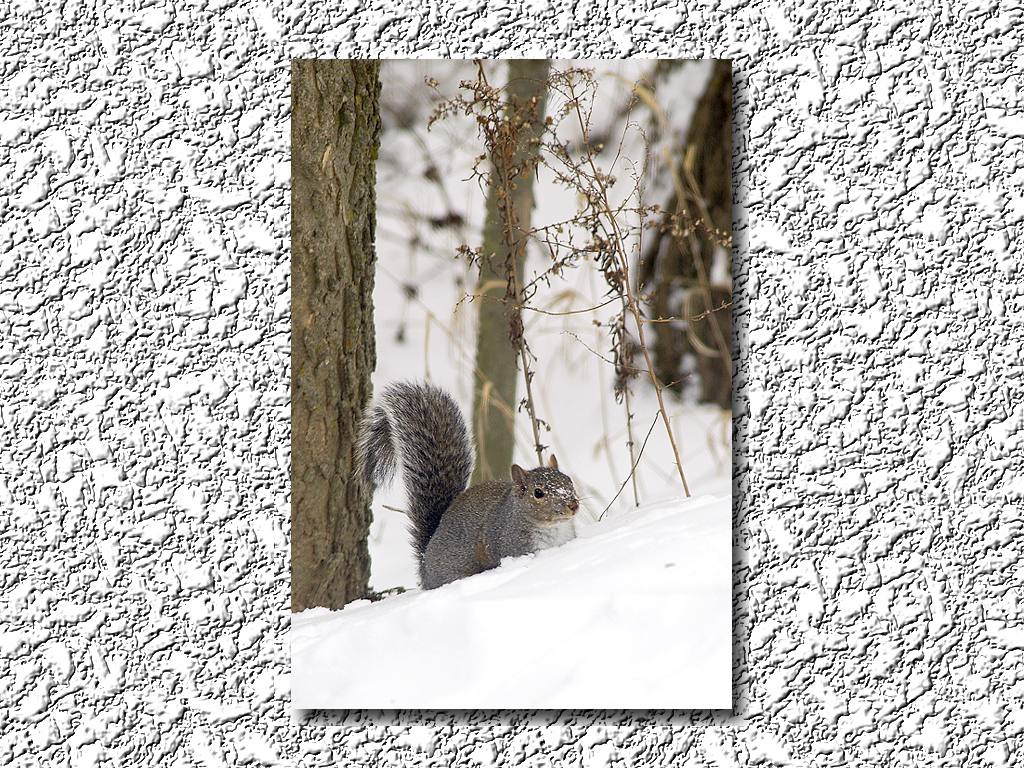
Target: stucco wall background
144, 383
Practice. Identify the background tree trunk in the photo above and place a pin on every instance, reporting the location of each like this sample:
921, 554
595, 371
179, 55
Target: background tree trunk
675, 270
494, 393
335, 139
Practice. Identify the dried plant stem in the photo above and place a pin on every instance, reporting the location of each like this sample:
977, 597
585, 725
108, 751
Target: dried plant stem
635, 310
724, 347
516, 141
630, 298
515, 239
634, 461
523, 353
633, 458
512, 129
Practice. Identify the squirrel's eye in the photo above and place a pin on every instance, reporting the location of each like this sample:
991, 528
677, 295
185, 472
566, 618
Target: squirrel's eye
538, 493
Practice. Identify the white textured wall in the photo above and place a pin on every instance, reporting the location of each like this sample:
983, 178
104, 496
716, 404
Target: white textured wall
144, 384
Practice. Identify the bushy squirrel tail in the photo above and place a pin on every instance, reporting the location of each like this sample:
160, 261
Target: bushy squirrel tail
418, 429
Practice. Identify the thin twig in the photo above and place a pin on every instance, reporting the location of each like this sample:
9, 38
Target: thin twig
631, 300
632, 471
622, 366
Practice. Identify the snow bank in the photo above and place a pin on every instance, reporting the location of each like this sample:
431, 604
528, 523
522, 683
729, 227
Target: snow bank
635, 613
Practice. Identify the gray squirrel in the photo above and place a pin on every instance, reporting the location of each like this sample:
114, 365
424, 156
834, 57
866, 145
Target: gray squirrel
456, 531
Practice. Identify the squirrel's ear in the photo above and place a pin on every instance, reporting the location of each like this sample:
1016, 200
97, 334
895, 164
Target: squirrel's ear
553, 463
518, 475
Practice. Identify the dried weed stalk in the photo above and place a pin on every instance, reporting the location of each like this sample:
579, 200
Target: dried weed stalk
612, 227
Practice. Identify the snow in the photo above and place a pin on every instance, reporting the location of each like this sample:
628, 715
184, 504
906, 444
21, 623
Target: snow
636, 612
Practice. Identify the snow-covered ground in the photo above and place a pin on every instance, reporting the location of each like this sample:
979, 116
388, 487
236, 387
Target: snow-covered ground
634, 613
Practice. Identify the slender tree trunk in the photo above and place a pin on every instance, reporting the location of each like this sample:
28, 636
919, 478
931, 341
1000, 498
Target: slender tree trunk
710, 135
335, 139
494, 395
673, 267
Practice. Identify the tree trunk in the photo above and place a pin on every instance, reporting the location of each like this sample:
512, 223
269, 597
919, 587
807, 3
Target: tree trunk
494, 393
335, 139
675, 269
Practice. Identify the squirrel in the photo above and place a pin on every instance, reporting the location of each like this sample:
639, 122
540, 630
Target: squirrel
458, 531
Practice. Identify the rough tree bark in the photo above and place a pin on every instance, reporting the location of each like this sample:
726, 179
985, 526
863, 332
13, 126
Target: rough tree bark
335, 139
494, 392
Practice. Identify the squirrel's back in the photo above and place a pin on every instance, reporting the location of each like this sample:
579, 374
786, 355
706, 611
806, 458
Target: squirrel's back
500, 519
